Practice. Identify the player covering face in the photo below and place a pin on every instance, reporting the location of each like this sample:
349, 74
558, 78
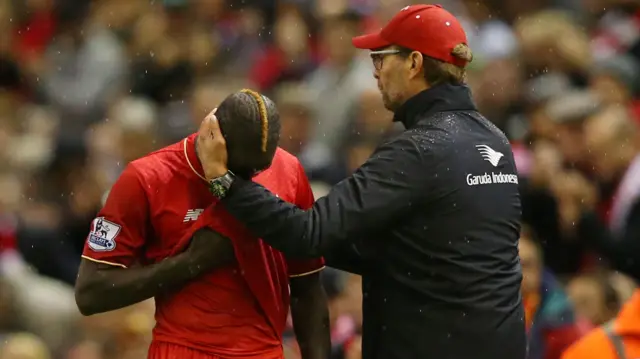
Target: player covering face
214, 298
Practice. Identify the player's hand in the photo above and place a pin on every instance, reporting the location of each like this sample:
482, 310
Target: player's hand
212, 147
208, 251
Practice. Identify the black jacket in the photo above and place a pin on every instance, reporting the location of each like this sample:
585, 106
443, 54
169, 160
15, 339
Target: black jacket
432, 223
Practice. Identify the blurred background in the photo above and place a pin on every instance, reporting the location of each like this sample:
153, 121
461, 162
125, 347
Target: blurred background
87, 86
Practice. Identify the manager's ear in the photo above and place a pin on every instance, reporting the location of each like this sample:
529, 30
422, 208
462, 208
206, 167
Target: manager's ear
416, 62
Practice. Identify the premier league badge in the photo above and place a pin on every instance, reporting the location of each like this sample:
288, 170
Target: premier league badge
103, 234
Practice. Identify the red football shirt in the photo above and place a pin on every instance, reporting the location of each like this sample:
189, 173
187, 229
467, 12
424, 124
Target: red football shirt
157, 203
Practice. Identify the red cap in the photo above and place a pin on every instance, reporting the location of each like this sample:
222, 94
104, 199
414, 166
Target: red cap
429, 29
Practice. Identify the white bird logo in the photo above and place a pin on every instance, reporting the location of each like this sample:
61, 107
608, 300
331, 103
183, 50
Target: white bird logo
490, 154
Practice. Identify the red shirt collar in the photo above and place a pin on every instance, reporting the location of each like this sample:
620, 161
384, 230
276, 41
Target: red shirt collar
192, 156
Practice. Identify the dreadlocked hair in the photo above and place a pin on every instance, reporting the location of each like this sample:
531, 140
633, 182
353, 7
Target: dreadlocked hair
264, 118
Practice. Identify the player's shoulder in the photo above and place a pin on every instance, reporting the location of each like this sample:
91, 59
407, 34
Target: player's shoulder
285, 157
284, 172
285, 161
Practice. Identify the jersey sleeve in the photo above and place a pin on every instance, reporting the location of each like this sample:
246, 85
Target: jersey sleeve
304, 200
119, 231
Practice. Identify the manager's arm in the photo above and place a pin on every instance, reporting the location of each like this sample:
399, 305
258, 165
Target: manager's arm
348, 258
344, 257
377, 194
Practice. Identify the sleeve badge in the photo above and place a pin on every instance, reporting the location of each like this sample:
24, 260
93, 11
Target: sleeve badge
102, 237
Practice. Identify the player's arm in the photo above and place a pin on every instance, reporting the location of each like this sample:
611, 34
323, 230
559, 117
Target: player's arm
379, 193
104, 287
107, 281
310, 316
309, 307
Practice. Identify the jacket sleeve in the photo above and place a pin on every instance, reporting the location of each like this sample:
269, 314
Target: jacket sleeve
378, 193
346, 257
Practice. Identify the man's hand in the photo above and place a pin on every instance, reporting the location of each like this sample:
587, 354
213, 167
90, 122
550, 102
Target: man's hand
208, 250
212, 147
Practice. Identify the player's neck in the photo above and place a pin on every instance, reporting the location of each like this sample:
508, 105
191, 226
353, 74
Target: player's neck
197, 149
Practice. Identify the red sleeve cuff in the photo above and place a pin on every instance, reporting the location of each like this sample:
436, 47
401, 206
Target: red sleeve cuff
300, 268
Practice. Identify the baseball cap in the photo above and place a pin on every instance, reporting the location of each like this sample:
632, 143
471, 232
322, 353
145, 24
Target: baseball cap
429, 29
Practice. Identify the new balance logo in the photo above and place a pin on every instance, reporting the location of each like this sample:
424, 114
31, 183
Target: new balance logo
490, 155
192, 215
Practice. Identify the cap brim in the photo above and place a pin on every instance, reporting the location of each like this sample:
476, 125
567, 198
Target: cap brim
370, 41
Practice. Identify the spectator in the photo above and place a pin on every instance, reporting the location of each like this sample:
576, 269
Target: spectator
335, 86
87, 61
594, 298
537, 94
616, 339
612, 140
568, 113
490, 36
290, 58
24, 346
370, 119
616, 80
552, 324
161, 69
357, 150
295, 116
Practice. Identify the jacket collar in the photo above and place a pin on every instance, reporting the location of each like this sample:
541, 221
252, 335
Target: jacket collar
440, 98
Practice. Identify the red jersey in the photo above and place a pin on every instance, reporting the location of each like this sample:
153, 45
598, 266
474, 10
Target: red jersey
158, 202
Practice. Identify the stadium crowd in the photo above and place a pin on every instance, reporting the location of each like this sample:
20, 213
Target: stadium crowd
87, 86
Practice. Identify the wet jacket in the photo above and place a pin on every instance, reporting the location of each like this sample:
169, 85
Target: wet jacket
431, 221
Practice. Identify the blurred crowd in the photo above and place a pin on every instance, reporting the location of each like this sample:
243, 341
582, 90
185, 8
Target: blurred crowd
87, 86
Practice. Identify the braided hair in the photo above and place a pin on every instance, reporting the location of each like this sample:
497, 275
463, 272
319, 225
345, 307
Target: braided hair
264, 118
250, 123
